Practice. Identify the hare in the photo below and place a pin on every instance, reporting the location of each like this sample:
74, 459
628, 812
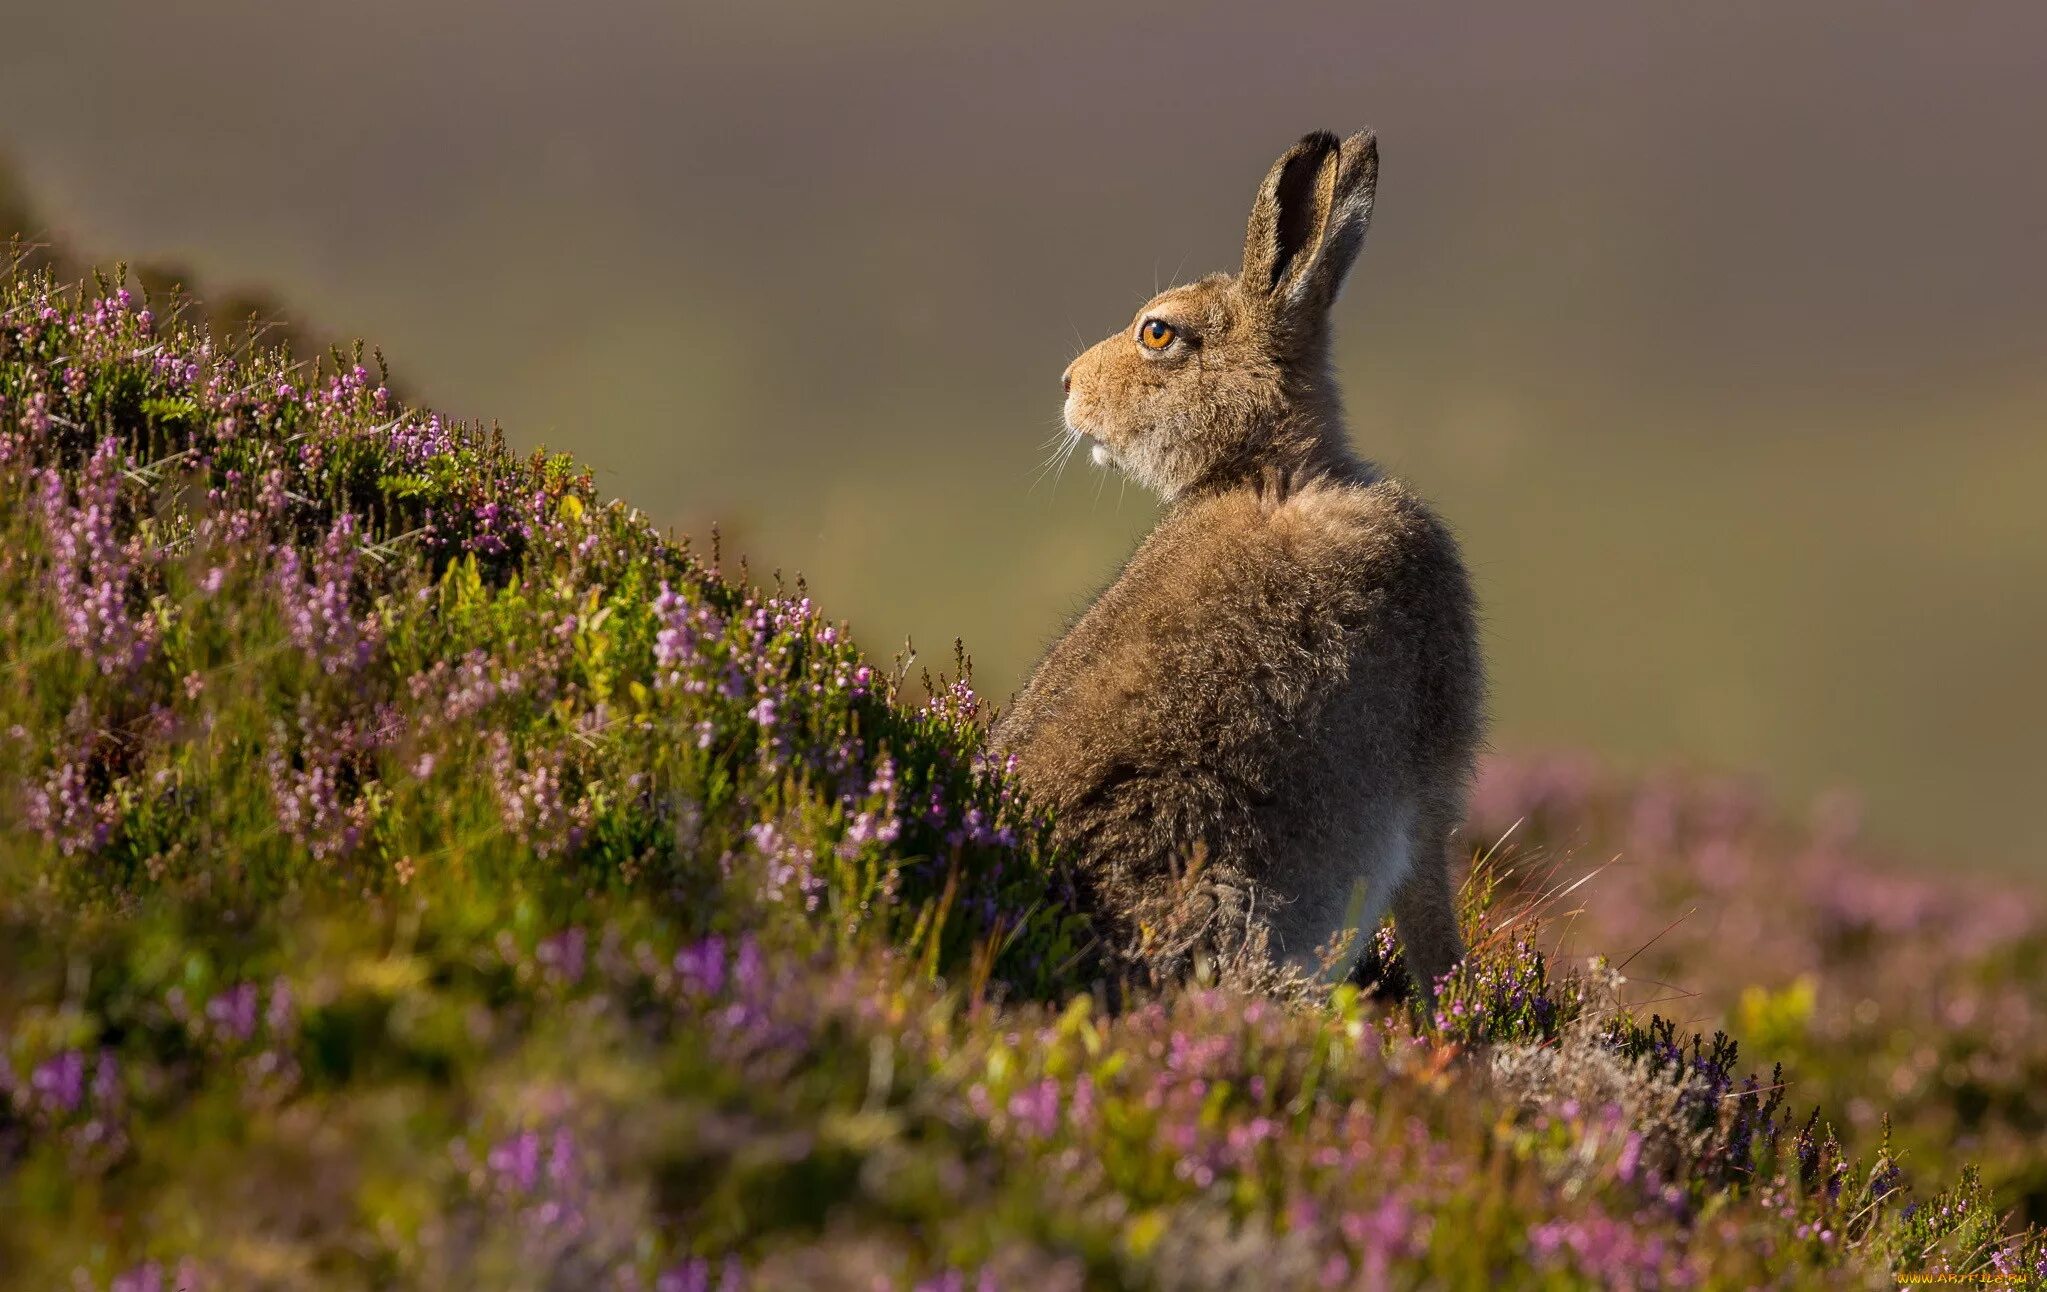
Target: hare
1274, 709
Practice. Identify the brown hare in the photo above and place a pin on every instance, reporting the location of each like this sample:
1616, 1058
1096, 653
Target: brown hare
1270, 717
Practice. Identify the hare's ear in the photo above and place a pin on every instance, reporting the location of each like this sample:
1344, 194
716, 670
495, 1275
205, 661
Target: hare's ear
1309, 221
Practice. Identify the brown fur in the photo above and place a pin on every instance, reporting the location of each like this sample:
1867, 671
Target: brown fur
1279, 699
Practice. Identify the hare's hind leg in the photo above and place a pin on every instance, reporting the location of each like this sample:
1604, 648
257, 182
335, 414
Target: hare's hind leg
1425, 908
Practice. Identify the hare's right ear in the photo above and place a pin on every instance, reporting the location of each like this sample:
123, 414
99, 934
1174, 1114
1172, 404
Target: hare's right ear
1309, 220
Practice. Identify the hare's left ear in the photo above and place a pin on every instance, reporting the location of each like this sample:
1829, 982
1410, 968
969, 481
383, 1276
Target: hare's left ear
1309, 220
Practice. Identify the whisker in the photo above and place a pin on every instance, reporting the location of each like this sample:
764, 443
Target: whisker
1053, 449
1038, 477
1064, 458
1068, 440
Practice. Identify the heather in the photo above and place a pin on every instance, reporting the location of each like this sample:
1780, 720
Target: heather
1903, 997
418, 871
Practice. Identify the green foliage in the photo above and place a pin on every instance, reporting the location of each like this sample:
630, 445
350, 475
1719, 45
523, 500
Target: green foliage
426, 875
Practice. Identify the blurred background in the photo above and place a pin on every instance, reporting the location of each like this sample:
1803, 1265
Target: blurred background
1719, 332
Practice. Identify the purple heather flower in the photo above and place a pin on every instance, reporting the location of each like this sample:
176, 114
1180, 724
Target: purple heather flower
563, 954
92, 572
701, 967
147, 1277
233, 1012
282, 1010
1630, 1158
317, 603
749, 972
63, 809
310, 801
60, 1081
534, 799
1082, 1110
516, 1162
1035, 1108
790, 869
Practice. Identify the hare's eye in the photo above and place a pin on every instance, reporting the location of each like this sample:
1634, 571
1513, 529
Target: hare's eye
1155, 334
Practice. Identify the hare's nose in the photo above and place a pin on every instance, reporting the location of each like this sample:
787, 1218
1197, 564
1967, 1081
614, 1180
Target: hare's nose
1066, 380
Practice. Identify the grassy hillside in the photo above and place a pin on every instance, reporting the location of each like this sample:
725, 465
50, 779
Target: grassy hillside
417, 872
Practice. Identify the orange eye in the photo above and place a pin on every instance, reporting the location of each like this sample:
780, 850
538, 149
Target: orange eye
1155, 334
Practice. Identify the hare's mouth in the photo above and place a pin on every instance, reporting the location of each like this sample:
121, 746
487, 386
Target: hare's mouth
1098, 450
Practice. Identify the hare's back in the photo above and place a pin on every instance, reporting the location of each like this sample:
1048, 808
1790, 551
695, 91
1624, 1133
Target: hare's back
1261, 619
1253, 649
1394, 570
1387, 558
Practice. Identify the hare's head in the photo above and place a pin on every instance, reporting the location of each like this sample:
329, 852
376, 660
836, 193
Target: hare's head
1228, 378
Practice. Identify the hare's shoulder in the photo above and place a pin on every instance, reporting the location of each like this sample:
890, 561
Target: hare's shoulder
1339, 540
1235, 568
1381, 528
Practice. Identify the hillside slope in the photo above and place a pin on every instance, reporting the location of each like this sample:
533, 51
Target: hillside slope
419, 873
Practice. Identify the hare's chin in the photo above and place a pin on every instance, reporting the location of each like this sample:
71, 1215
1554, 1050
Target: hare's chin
1101, 456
